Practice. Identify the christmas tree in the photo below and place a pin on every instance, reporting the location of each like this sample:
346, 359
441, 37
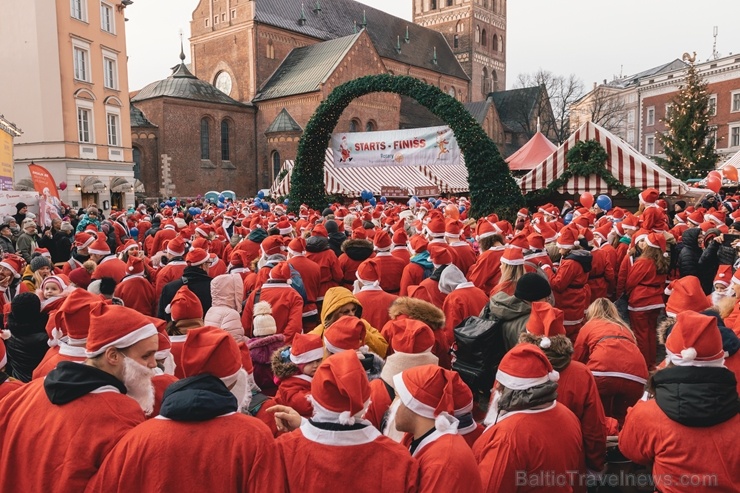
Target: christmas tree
688, 144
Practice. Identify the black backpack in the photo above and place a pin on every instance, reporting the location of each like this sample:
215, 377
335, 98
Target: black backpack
478, 350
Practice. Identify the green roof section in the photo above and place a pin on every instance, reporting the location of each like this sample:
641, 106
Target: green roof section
283, 123
516, 105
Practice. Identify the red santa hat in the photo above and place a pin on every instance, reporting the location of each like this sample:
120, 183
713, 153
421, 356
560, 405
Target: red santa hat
536, 241
568, 238
99, 246
319, 230
523, 213
546, 321
359, 234
196, 256
284, 227
44, 252
439, 254
129, 245
724, 275
382, 241
411, 336
400, 238
428, 391
246, 358
657, 240
281, 272
272, 245
73, 317
83, 240
630, 222
211, 350
546, 231
184, 305
14, 263
368, 272
685, 294
524, 367
436, 227
453, 229
512, 256
135, 266
239, 259
297, 247
176, 246
306, 348
717, 217
346, 334
340, 390
204, 230
649, 196
695, 218
484, 230
115, 326
695, 340
200, 243
519, 241
417, 243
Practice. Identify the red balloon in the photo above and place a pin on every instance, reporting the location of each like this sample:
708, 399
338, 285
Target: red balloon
452, 212
730, 172
63, 185
714, 184
716, 174
586, 199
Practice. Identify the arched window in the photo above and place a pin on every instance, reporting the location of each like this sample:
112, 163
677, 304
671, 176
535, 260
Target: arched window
477, 34
137, 162
449, 3
459, 27
354, 125
432, 4
270, 50
275, 158
370, 126
451, 92
484, 80
495, 42
456, 41
494, 76
205, 145
484, 38
225, 147
501, 43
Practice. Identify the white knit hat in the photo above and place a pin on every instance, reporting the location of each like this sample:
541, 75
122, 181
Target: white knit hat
263, 324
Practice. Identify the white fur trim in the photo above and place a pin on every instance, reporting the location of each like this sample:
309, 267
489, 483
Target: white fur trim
67, 349
308, 356
506, 261
517, 383
689, 359
174, 253
617, 374
444, 424
99, 252
10, 268
345, 438
4, 360
129, 339
200, 262
409, 400
324, 415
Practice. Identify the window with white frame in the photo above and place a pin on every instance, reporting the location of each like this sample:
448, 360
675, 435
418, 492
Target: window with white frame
712, 105
107, 18
711, 136
82, 63
114, 129
631, 116
631, 136
78, 9
735, 136
84, 122
651, 116
736, 101
649, 145
110, 70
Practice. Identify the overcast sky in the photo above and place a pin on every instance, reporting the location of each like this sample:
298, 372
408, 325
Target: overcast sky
594, 39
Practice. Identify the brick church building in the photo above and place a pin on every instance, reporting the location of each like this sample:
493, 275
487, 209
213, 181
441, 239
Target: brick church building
260, 68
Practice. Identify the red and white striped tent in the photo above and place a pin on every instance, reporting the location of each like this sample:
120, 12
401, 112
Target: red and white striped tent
626, 164
351, 181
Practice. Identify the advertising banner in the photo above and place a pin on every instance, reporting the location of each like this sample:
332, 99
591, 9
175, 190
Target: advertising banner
43, 182
6, 161
411, 147
9, 198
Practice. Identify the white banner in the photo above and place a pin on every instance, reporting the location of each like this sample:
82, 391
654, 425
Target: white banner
9, 198
412, 147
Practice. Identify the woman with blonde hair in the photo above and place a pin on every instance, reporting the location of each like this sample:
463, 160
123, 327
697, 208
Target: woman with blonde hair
512, 269
609, 349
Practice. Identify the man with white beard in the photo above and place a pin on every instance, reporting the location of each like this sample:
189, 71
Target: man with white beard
217, 448
69, 421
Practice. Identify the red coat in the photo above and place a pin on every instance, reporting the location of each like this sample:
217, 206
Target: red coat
293, 392
387, 464
463, 255
375, 304
542, 442
578, 392
391, 270
465, 301
8, 386
110, 266
625, 267
159, 238
675, 450
429, 291
160, 383
64, 457
287, 309
486, 271
137, 293
571, 292
602, 276
217, 269
622, 249
331, 273
240, 452
447, 464
56, 354
644, 286
609, 350
412, 275
311, 276
402, 253
167, 274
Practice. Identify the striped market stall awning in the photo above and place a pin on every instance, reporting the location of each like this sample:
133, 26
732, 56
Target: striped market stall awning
626, 164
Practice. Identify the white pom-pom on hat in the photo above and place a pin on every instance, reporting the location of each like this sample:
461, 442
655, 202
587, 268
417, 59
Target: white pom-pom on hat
545, 342
168, 309
131, 269
5, 335
553, 376
262, 308
688, 354
345, 418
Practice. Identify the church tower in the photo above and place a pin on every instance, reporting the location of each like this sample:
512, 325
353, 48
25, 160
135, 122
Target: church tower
476, 31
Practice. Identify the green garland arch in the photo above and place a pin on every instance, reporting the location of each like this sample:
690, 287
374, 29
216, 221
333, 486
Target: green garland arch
586, 158
492, 188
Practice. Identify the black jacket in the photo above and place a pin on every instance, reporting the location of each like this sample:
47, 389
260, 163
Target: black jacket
688, 258
358, 250
62, 247
198, 281
70, 381
197, 398
25, 353
335, 242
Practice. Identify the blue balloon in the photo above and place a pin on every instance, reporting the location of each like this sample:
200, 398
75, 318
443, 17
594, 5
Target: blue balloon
461, 209
257, 200
198, 210
604, 202
383, 200
286, 201
221, 205
134, 232
191, 211
261, 194
568, 218
265, 206
372, 201
221, 197
161, 205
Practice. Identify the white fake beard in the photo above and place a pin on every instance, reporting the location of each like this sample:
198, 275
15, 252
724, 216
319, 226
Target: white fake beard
492, 414
241, 390
390, 429
138, 381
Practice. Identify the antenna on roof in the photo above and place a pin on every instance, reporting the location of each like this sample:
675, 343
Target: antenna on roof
302, 20
715, 31
398, 44
434, 57
538, 124
317, 8
355, 27
364, 19
182, 50
407, 39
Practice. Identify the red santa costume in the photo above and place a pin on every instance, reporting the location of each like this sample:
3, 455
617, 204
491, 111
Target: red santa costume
326, 259
463, 299
202, 412
543, 440
389, 267
418, 265
287, 304
691, 429
310, 275
446, 462
185, 306
602, 275
428, 290
135, 290
486, 271
44, 418
570, 283
375, 302
462, 252
398, 245
295, 386
174, 269
110, 265
337, 435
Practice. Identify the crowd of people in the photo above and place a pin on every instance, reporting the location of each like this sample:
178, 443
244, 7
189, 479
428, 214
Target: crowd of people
237, 346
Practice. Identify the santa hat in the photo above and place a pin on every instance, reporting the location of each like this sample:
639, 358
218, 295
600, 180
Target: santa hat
306, 348
83, 240
196, 256
536, 241
411, 336
184, 305
359, 234
129, 245
297, 247
346, 334
546, 231
524, 367
115, 326
272, 245
695, 340
429, 392
630, 222
281, 272
211, 350
512, 256
546, 321
164, 347
685, 294
453, 229
263, 324
368, 272
695, 218
99, 246
724, 275
44, 252
657, 240
567, 239
484, 230
319, 230
14, 263
284, 227
204, 230
134, 266
400, 238
649, 196
417, 243
382, 241
439, 254
239, 258
73, 317
436, 227
519, 241
523, 213
176, 246
340, 391
717, 217
246, 359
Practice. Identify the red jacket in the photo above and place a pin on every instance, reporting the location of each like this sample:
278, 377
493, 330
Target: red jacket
311, 277
391, 270
287, 309
375, 304
429, 291
610, 350
112, 267
486, 271
571, 292
463, 255
159, 238
446, 463
644, 286
137, 293
167, 274
412, 275
601, 277
465, 301
293, 391
402, 253
331, 273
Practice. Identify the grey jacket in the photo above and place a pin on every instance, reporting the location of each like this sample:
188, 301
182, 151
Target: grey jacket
25, 246
513, 313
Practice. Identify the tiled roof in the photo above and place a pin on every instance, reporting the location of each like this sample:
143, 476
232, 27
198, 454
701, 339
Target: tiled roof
516, 105
337, 19
138, 119
305, 68
283, 123
478, 109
